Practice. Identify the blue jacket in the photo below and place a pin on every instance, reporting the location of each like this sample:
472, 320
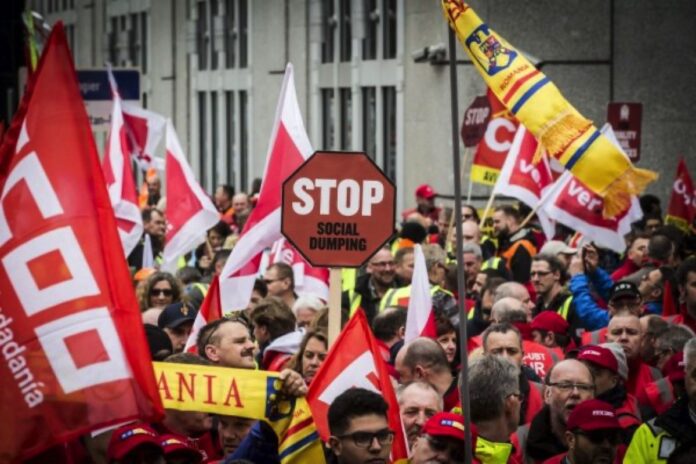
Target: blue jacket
260, 445
591, 315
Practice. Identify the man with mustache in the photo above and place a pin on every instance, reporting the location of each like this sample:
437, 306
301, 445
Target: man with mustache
418, 402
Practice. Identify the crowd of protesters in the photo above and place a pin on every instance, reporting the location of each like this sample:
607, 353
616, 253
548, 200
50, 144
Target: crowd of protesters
576, 354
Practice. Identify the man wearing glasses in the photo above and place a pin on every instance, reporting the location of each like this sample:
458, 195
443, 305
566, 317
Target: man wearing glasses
568, 384
371, 287
442, 441
359, 428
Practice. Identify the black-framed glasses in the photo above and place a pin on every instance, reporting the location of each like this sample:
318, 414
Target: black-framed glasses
612, 436
161, 291
364, 439
569, 386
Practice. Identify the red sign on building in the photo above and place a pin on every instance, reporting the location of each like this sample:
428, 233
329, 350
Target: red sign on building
338, 209
625, 119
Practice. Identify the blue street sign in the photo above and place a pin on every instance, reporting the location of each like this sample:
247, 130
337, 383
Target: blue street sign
94, 84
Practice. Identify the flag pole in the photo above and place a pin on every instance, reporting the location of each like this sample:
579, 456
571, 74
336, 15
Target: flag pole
488, 207
464, 383
334, 304
549, 191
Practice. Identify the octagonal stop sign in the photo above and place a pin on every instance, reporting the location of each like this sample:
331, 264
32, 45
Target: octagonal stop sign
338, 209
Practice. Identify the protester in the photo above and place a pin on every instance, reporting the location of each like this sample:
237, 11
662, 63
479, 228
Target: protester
359, 429
160, 289
280, 283
636, 253
403, 265
177, 320
389, 328
561, 251
442, 440
551, 330
418, 402
371, 287
515, 244
517, 291
305, 308
310, 355
178, 451
274, 331
547, 276
447, 337
424, 359
135, 443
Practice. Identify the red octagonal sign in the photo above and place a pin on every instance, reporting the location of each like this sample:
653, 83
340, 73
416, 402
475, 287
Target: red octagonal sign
338, 209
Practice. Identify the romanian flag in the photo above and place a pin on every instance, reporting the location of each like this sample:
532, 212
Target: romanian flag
243, 393
538, 104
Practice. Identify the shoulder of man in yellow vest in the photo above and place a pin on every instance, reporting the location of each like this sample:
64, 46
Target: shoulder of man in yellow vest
400, 296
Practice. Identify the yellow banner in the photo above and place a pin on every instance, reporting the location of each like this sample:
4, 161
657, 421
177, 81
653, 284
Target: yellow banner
243, 393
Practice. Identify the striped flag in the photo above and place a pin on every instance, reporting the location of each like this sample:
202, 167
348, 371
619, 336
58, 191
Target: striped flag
421, 317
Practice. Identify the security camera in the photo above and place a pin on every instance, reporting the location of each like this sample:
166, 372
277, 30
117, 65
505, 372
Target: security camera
420, 55
431, 53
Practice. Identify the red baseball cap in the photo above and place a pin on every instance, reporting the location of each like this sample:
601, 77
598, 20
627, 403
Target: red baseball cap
129, 437
447, 424
593, 415
602, 357
179, 446
425, 191
674, 367
550, 321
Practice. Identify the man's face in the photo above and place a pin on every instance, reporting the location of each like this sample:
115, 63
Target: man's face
650, 287
437, 450
188, 423
638, 251
500, 225
651, 225
604, 379
240, 203
276, 286
472, 266
543, 279
596, 447
470, 232
381, 266
153, 186
424, 205
234, 347
522, 294
506, 345
479, 283
688, 293
405, 269
222, 201
261, 334
487, 304
570, 384
351, 449
161, 294
178, 335
625, 330
157, 227
232, 431
417, 405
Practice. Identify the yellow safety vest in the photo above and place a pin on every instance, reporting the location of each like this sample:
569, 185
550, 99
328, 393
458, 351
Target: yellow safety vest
650, 444
348, 277
565, 308
392, 297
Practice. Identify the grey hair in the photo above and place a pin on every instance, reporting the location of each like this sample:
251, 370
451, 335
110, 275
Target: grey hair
434, 254
690, 353
471, 248
491, 380
674, 338
508, 309
508, 289
308, 301
424, 386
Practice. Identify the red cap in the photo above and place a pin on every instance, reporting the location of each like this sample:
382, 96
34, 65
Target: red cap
550, 321
129, 437
175, 444
593, 415
602, 357
445, 424
425, 191
674, 367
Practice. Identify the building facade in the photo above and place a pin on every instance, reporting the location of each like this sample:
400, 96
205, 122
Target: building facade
372, 75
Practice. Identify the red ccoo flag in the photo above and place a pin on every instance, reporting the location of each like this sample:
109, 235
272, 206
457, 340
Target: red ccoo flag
682, 202
75, 355
354, 360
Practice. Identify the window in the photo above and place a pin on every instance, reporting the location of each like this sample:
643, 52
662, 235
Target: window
344, 30
143, 42
202, 131
236, 33
211, 28
389, 24
202, 36
243, 33
231, 33
327, 113
369, 121
133, 42
243, 142
346, 114
328, 28
214, 136
389, 131
380, 29
113, 41
371, 30
230, 129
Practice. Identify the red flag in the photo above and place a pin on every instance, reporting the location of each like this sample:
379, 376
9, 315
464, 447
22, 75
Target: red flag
144, 130
354, 360
210, 311
289, 147
75, 355
682, 202
522, 179
309, 280
190, 213
495, 144
421, 317
119, 178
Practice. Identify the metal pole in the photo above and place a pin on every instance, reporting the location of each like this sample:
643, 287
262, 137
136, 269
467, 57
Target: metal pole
461, 285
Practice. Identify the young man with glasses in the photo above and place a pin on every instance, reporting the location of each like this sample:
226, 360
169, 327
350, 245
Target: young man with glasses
442, 440
372, 286
547, 274
359, 428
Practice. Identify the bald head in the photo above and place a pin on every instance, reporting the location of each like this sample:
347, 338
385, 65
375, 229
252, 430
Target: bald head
470, 232
508, 308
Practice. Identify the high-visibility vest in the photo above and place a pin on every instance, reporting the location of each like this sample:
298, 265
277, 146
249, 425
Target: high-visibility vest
401, 296
348, 277
203, 288
650, 444
492, 263
565, 308
510, 252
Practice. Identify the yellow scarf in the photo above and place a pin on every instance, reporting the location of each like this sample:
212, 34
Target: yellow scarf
538, 104
244, 393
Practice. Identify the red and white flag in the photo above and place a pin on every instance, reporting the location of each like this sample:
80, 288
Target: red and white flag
420, 320
209, 311
354, 360
520, 178
144, 130
309, 280
289, 147
682, 203
190, 212
119, 177
75, 356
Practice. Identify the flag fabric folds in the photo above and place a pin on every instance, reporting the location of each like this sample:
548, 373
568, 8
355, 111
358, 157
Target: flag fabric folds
190, 212
75, 355
354, 360
243, 393
538, 104
144, 130
522, 179
288, 148
309, 280
209, 311
421, 317
682, 202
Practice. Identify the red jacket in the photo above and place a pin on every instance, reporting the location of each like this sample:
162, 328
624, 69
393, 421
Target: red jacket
640, 375
594, 338
658, 395
627, 268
